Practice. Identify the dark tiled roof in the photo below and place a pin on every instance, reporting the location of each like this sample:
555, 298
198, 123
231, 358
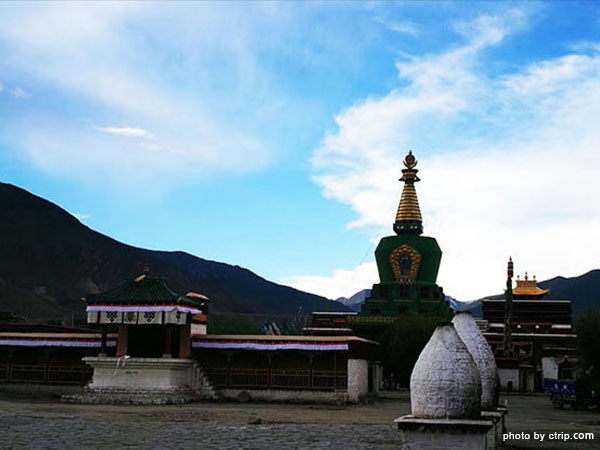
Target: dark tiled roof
142, 290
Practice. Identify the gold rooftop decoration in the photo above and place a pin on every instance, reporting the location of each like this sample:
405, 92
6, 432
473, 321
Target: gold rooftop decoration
529, 287
408, 217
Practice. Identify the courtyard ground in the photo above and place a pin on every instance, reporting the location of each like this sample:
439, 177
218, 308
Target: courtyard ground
46, 423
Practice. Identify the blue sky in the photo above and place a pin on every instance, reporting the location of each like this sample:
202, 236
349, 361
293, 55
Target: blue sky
270, 135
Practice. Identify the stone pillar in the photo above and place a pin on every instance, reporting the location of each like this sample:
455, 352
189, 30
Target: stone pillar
358, 380
185, 341
122, 341
377, 377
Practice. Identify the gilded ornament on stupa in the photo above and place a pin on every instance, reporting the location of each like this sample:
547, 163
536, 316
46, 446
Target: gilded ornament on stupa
408, 217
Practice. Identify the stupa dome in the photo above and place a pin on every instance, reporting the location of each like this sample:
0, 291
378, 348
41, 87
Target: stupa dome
445, 382
482, 354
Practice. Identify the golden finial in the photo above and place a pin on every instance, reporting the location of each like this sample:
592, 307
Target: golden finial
408, 216
410, 161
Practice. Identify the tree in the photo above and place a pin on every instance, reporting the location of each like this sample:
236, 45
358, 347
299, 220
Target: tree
232, 324
587, 327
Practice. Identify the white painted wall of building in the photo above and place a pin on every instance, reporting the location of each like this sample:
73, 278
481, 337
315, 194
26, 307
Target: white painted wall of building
507, 375
549, 367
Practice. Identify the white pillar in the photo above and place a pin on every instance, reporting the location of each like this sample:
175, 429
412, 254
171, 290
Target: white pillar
358, 380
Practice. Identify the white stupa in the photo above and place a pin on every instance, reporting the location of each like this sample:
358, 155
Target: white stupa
482, 354
445, 382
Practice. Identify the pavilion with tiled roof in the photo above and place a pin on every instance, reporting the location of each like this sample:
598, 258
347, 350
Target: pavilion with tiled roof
154, 329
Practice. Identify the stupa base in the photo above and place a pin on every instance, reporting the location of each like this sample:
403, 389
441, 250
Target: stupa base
443, 434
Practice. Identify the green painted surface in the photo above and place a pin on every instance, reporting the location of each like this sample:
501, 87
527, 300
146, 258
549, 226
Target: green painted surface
389, 298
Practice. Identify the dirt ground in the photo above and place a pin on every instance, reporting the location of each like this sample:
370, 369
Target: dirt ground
46, 423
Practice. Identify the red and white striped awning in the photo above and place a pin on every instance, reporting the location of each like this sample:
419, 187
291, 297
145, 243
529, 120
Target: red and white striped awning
144, 308
272, 345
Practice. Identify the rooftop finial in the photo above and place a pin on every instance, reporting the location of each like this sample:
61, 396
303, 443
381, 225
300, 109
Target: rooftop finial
410, 161
408, 217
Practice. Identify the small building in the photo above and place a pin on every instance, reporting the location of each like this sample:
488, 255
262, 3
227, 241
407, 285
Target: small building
542, 337
153, 361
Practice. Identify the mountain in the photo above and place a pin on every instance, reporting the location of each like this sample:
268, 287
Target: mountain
583, 291
49, 260
356, 300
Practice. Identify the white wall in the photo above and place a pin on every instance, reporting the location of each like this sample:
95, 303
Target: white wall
549, 367
507, 375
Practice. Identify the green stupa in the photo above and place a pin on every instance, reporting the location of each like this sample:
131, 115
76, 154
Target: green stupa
408, 263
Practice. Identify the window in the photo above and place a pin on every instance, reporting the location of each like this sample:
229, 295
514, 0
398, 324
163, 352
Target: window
404, 291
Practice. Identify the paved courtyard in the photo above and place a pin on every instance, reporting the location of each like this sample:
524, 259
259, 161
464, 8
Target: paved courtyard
45, 423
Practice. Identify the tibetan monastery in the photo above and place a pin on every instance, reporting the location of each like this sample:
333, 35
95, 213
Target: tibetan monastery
149, 345
532, 338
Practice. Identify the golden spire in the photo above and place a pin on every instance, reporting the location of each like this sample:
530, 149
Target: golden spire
408, 217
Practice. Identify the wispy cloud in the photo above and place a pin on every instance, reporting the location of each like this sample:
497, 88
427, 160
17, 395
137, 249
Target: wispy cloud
87, 54
20, 93
404, 26
507, 161
341, 283
127, 131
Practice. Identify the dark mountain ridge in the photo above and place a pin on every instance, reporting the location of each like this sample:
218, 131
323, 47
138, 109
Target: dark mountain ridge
582, 290
49, 260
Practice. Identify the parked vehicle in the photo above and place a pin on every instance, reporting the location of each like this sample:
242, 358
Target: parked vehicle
570, 392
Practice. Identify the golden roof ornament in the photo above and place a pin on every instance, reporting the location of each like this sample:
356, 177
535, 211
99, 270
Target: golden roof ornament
529, 288
410, 161
408, 217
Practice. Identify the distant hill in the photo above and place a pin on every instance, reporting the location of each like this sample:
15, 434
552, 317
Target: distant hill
583, 291
49, 260
356, 300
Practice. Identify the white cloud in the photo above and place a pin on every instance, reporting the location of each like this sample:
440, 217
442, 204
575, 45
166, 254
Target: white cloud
127, 131
20, 93
508, 162
404, 26
91, 54
341, 283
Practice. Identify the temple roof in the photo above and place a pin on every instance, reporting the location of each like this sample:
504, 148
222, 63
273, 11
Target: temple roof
529, 287
408, 217
144, 290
